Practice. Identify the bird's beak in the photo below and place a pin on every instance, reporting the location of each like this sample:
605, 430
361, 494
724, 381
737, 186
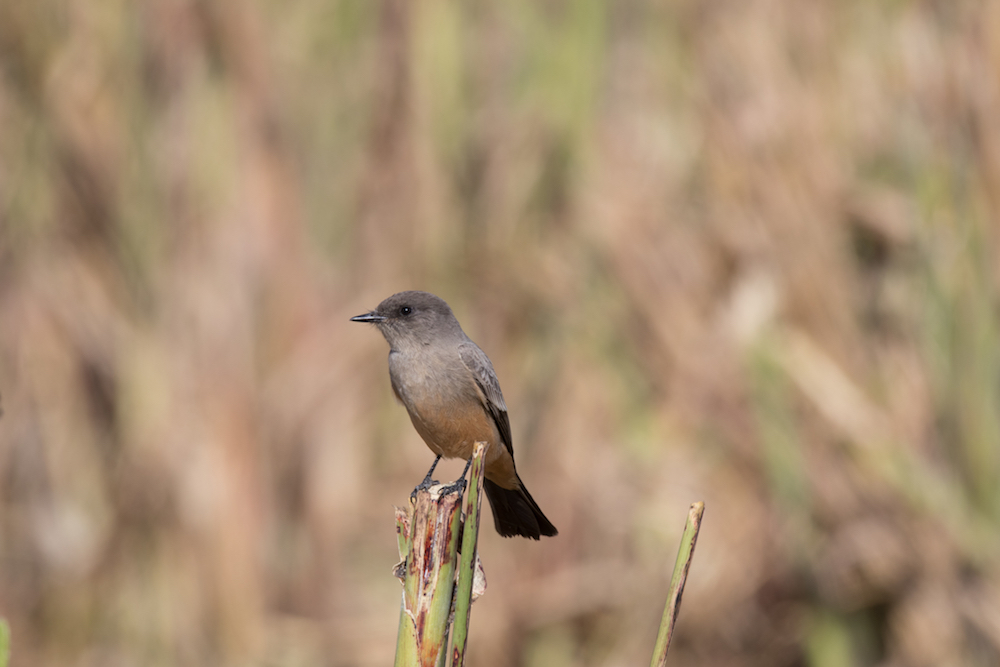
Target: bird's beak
371, 317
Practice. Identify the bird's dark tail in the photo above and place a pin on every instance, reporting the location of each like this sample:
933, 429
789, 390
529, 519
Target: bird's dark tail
515, 512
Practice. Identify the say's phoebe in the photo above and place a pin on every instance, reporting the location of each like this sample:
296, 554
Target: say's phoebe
452, 394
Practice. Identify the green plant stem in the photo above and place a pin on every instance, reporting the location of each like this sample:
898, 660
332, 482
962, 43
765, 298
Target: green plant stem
467, 568
428, 577
677, 581
4, 642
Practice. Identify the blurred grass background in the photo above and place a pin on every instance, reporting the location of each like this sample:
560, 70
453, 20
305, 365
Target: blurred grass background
743, 252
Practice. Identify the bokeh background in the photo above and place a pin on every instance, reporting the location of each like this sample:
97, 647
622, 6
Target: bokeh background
745, 252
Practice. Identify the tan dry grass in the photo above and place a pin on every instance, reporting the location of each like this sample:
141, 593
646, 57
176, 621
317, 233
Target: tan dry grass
738, 252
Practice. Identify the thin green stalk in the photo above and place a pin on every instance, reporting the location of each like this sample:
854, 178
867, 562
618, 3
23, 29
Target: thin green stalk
4, 643
467, 568
677, 581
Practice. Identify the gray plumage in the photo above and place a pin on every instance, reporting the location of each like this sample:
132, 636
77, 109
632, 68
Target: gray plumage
453, 397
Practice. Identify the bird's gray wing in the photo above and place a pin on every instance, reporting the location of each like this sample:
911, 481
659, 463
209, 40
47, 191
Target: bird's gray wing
482, 370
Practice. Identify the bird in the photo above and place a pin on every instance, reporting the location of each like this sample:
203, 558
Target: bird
452, 395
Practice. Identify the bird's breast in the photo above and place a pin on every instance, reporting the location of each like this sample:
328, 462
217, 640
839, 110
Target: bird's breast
442, 402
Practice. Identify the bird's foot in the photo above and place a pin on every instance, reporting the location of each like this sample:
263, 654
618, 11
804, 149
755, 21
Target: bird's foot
458, 486
423, 486
428, 481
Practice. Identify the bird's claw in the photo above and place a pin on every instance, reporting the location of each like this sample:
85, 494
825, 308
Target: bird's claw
456, 486
423, 486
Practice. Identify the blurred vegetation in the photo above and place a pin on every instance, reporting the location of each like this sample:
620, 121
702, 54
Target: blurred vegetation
741, 252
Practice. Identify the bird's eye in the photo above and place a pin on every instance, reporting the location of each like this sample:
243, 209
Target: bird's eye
405, 310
